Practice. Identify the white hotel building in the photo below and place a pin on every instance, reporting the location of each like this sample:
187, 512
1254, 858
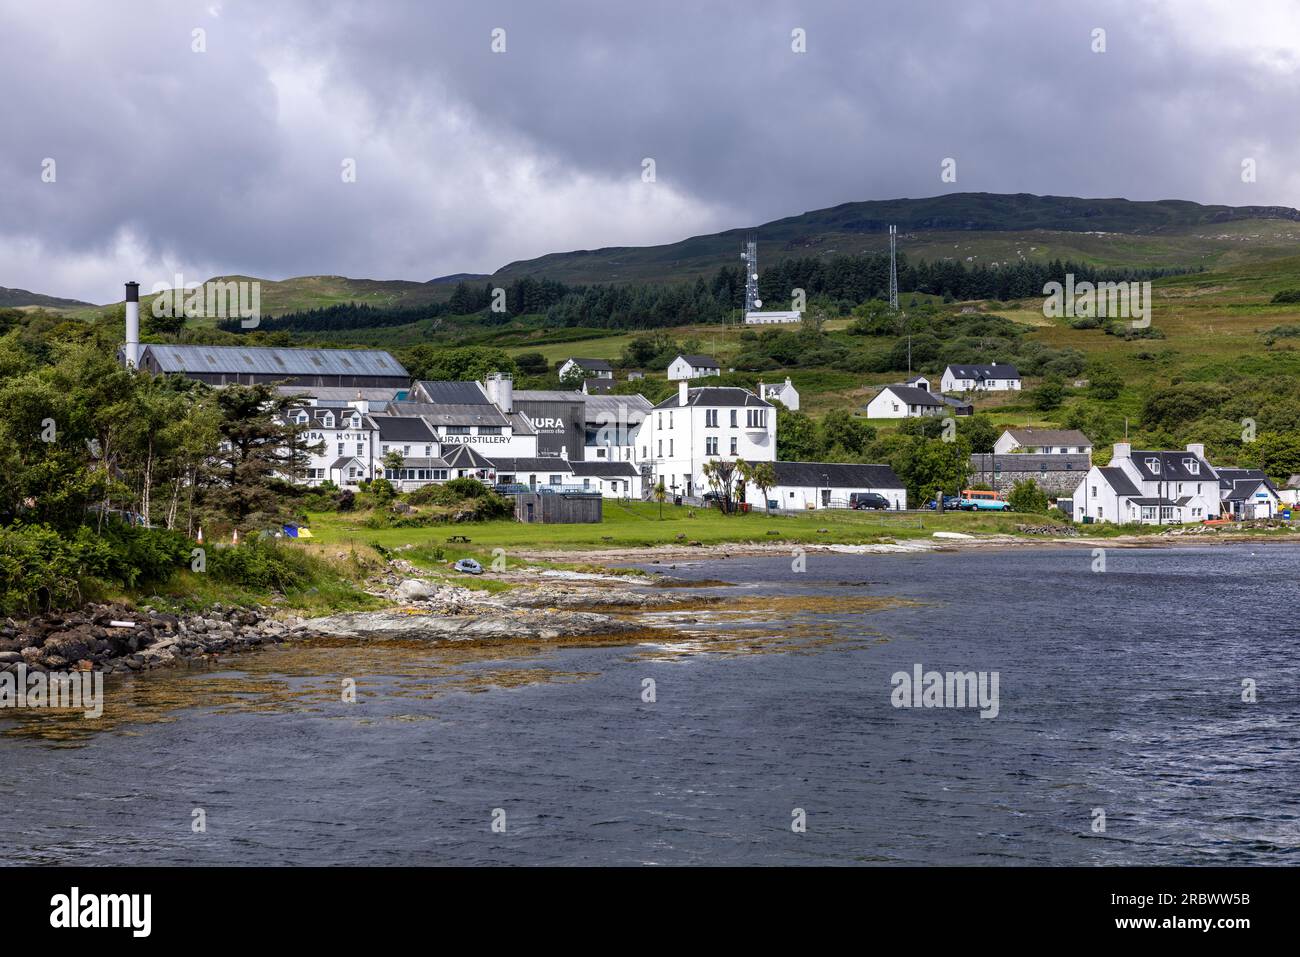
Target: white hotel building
697, 425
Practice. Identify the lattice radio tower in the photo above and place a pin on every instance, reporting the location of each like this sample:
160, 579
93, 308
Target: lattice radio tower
893, 269
750, 255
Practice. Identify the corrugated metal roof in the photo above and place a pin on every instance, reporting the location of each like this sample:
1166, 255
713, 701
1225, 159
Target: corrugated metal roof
262, 360
452, 393
612, 409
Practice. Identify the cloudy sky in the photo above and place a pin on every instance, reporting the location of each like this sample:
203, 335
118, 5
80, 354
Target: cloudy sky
231, 159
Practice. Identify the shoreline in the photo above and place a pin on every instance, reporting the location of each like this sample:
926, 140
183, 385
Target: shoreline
647, 555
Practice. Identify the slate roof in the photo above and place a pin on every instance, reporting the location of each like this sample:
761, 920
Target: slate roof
1039, 437
438, 414
700, 362
597, 386
715, 396
1228, 476
1172, 467
342, 462
605, 469
544, 463
464, 457
977, 372
403, 428
264, 360
547, 395
593, 365
1117, 479
1030, 462
912, 395
836, 475
452, 393
340, 393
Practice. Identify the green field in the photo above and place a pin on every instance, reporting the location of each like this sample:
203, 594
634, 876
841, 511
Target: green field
637, 524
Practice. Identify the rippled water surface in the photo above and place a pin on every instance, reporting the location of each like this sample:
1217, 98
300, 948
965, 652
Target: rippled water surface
1120, 691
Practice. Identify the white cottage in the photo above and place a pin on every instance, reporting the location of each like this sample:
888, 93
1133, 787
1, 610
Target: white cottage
697, 425
1043, 442
1150, 487
904, 402
815, 485
996, 377
692, 367
785, 393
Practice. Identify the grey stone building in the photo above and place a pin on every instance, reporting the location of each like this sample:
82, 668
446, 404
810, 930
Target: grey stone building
1055, 474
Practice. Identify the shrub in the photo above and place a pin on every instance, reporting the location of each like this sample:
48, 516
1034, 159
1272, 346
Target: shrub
1026, 496
261, 563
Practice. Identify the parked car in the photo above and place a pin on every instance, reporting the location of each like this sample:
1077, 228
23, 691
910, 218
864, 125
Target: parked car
949, 502
468, 566
982, 500
868, 500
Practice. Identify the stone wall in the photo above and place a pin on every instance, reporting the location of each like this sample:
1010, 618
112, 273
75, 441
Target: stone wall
1055, 474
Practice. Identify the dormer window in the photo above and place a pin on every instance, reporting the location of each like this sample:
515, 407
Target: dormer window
1192, 466
328, 421
1154, 466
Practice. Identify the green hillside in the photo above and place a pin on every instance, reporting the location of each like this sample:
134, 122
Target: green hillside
972, 227
18, 298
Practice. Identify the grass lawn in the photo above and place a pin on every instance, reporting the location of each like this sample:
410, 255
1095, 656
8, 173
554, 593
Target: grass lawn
638, 524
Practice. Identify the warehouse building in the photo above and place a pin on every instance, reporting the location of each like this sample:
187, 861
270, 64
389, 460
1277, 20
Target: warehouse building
250, 365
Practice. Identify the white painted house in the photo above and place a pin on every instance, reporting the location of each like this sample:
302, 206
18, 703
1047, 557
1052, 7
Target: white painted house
589, 368
779, 317
815, 485
1150, 487
341, 441
904, 402
610, 479
1043, 442
702, 424
692, 367
996, 377
785, 393
1247, 494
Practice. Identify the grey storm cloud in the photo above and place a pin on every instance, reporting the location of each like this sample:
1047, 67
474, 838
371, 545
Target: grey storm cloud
229, 160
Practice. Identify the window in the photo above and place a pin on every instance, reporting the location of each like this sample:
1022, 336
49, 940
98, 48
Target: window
670, 448
661, 448
659, 420
711, 445
439, 475
733, 445
457, 430
733, 418
428, 451
384, 448
710, 418
340, 448
600, 453
406, 450
1193, 466
644, 453
1153, 465
489, 430
554, 480
361, 448
756, 418
1094, 491
670, 420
